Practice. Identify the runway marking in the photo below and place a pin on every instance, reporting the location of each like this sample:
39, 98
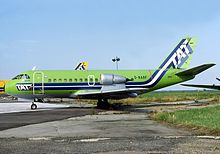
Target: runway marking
209, 137
39, 139
92, 140
172, 137
199, 137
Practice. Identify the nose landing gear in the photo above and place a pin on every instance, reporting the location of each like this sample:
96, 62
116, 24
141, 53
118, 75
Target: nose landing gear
33, 106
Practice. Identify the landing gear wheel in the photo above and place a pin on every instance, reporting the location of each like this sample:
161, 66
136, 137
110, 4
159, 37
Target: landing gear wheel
103, 104
33, 106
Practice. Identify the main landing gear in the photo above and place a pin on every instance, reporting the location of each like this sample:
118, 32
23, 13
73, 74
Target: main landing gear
103, 104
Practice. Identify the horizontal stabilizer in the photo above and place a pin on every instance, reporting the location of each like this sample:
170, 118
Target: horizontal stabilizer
217, 87
194, 71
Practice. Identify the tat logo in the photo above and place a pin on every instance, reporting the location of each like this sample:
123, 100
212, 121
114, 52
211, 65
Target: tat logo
24, 87
181, 54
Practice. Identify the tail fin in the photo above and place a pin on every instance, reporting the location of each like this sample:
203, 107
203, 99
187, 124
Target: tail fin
82, 66
2, 86
181, 56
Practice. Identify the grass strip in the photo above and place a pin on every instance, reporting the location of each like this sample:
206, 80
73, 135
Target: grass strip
203, 121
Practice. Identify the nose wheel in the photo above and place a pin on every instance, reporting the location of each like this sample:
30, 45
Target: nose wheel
33, 106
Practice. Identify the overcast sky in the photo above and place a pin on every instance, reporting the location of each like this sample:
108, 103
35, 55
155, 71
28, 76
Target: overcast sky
52, 34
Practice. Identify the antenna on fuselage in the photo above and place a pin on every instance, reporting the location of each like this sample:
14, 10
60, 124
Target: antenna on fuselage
34, 68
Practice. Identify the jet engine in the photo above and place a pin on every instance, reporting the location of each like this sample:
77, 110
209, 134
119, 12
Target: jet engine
109, 79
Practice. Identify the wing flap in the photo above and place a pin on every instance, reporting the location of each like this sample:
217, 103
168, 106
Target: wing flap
194, 71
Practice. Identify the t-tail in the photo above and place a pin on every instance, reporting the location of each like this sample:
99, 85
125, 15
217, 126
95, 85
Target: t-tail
181, 56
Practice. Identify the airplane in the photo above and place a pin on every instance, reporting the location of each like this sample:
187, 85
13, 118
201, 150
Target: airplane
213, 86
2, 87
106, 84
82, 66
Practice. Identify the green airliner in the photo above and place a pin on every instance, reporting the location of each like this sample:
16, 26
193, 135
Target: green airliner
106, 84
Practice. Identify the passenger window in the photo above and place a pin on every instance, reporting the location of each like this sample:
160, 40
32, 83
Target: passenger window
96, 80
54, 80
70, 80
49, 80
81, 80
90, 79
86, 80
65, 80
60, 80
75, 80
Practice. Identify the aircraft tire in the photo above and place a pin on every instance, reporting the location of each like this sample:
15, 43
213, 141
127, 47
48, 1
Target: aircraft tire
103, 104
33, 106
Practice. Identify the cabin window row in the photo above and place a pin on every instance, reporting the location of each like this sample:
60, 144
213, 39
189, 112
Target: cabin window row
72, 80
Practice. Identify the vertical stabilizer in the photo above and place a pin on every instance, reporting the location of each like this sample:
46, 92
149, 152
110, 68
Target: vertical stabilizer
181, 56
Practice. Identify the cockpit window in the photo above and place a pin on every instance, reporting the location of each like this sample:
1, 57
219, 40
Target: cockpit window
25, 76
17, 77
21, 76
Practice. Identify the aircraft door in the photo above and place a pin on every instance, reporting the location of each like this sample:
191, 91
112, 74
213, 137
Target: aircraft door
38, 83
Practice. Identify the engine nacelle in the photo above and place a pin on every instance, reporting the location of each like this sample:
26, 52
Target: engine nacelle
109, 79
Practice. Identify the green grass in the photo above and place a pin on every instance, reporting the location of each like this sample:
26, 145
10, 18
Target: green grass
172, 96
204, 120
180, 95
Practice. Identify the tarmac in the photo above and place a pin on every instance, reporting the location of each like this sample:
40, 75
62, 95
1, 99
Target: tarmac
65, 128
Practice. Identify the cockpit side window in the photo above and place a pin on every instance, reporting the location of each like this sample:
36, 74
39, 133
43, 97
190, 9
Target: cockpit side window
26, 76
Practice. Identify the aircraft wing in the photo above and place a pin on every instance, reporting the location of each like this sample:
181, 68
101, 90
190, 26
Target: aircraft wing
217, 87
112, 94
194, 71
